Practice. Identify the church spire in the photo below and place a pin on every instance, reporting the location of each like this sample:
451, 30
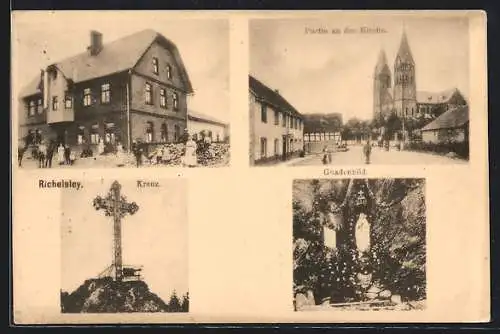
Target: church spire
404, 52
382, 63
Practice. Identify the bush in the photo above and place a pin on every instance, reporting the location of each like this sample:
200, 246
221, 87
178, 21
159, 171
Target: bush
459, 148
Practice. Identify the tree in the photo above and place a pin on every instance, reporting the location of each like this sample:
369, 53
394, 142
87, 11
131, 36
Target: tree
185, 303
174, 304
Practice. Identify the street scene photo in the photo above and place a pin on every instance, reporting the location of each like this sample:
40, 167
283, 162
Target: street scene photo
124, 247
120, 90
357, 89
359, 244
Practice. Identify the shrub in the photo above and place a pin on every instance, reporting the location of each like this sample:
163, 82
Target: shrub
459, 148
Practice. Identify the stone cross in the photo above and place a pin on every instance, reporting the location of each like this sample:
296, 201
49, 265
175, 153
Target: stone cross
115, 205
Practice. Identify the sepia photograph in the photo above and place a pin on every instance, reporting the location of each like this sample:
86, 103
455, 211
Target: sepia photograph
124, 247
359, 244
379, 89
97, 89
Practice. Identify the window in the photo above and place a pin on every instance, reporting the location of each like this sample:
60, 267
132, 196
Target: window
218, 137
148, 94
210, 134
155, 65
163, 98
55, 103
263, 147
283, 120
80, 135
175, 101
68, 102
109, 133
276, 147
149, 132
105, 93
263, 113
177, 133
87, 97
94, 134
31, 108
276, 117
169, 71
164, 133
39, 106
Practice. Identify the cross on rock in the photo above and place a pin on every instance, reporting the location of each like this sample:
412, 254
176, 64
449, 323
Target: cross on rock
116, 206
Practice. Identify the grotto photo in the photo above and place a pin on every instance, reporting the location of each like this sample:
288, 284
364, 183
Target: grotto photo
359, 244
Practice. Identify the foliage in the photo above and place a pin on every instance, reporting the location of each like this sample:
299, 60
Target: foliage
461, 149
397, 257
174, 305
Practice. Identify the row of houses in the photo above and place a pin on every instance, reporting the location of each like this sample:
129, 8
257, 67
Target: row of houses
132, 89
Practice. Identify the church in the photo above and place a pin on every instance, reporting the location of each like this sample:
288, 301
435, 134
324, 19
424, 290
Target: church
400, 96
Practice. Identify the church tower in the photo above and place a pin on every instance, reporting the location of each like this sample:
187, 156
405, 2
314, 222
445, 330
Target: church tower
405, 90
382, 99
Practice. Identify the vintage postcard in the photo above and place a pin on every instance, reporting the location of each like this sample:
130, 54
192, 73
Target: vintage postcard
118, 217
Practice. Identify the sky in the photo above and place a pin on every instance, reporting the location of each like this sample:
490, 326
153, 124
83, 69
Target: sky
324, 73
202, 43
155, 237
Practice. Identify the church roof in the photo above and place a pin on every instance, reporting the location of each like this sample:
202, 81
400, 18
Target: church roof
453, 118
271, 96
404, 52
436, 97
116, 56
382, 63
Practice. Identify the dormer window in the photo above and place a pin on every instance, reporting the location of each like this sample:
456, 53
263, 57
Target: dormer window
169, 71
155, 65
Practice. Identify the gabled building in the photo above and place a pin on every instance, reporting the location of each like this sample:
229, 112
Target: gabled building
201, 125
134, 88
451, 126
276, 127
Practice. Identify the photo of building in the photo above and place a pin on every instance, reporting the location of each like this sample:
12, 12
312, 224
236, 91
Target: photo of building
276, 127
120, 99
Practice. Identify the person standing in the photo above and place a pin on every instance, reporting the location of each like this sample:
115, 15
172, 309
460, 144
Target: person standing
190, 158
50, 154
367, 150
42, 152
67, 154
137, 150
60, 154
329, 151
100, 147
325, 155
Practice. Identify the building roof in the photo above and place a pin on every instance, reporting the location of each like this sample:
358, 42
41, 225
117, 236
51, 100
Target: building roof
404, 52
117, 56
196, 116
271, 96
436, 97
453, 118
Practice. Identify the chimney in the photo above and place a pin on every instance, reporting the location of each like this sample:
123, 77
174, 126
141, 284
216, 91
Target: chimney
95, 42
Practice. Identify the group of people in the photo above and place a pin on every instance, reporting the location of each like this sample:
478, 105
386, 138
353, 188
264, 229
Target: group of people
190, 158
44, 153
367, 150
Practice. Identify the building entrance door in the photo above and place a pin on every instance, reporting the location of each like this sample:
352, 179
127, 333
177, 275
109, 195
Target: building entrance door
284, 151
